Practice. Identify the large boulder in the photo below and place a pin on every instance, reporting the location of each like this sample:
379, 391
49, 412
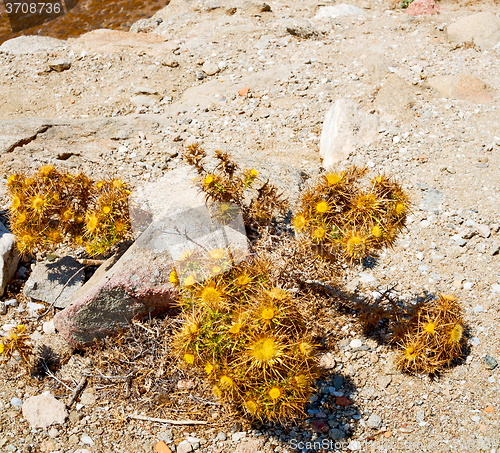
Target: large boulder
346, 127
481, 29
170, 218
9, 257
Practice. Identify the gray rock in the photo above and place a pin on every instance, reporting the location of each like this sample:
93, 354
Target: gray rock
374, 421
143, 100
16, 402
169, 217
301, 28
490, 362
420, 416
184, 447
59, 65
384, 380
48, 279
210, 68
9, 257
336, 434
338, 382
431, 200
170, 61
19, 132
44, 410
483, 230
343, 9
327, 361
495, 248
481, 29
165, 436
145, 25
145, 90
345, 128
395, 99
221, 437
30, 44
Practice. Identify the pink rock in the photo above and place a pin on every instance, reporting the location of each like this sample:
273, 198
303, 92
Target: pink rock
422, 8
319, 426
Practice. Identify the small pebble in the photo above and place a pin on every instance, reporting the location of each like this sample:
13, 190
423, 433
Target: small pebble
490, 362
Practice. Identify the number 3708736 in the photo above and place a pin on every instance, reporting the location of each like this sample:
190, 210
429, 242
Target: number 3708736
33, 8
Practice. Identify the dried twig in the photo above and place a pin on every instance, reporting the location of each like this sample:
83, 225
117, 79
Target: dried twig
77, 391
164, 420
91, 262
201, 400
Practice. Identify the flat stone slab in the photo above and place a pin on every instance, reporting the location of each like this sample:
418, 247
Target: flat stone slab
47, 281
19, 132
481, 29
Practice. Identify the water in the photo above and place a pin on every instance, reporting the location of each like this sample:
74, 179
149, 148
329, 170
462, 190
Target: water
81, 16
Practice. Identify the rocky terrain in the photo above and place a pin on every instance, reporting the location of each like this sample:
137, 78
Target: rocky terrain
258, 80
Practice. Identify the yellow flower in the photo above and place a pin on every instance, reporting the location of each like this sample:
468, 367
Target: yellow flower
267, 313
430, 327
302, 380
92, 223
21, 218
209, 180
400, 209
274, 393
2, 348
410, 353
11, 179
456, 334
16, 203
254, 172
106, 209
322, 207
319, 233
209, 368
333, 178
252, 407
189, 358
173, 277
265, 352
118, 183
67, 215
226, 382
299, 222
100, 184
217, 391
242, 280
377, 231
211, 296
38, 203
235, 328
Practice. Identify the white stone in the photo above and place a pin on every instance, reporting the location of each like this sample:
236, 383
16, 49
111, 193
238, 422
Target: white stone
495, 288
9, 256
345, 128
366, 278
356, 343
48, 327
236, 437
30, 44
343, 9
86, 439
44, 410
468, 286
184, 447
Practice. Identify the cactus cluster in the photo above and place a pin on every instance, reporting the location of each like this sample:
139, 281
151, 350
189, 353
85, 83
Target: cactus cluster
346, 214
16, 341
50, 207
250, 340
430, 336
228, 183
